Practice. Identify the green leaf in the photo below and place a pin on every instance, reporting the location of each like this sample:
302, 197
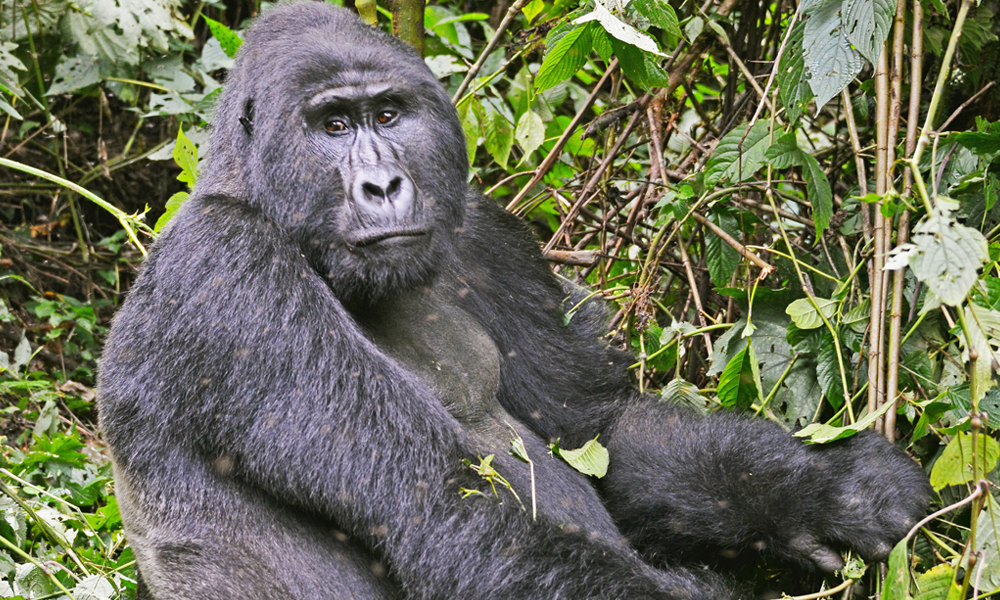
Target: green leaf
793, 85
641, 67
228, 39
866, 24
721, 258
985, 140
739, 384
186, 156
590, 459
685, 393
173, 204
805, 315
934, 584
660, 14
530, 132
564, 59
828, 369
987, 530
784, 153
829, 57
897, 577
470, 125
533, 9
499, 137
619, 29
948, 255
954, 466
74, 74
732, 164
8, 65
819, 433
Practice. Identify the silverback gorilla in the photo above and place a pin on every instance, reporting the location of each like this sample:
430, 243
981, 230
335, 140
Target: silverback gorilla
334, 322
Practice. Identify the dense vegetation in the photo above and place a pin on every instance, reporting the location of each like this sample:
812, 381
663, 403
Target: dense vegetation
791, 209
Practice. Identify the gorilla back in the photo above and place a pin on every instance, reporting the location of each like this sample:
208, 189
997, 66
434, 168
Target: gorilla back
334, 327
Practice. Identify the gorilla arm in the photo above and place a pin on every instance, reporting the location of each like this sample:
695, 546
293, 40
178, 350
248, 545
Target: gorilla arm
279, 382
679, 485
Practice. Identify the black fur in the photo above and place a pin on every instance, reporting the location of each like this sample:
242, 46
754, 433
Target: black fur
291, 388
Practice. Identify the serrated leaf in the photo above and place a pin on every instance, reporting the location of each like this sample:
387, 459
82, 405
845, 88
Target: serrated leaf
793, 85
499, 137
784, 153
619, 29
866, 24
721, 258
934, 584
641, 67
590, 459
829, 57
954, 466
73, 74
731, 164
897, 577
228, 39
819, 433
530, 132
948, 255
564, 59
660, 14
8, 65
739, 383
805, 315
684, 393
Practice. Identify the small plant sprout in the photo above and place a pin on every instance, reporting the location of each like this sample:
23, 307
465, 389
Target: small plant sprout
486, 471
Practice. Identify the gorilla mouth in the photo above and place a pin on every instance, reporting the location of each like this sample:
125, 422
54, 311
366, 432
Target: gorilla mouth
380, 234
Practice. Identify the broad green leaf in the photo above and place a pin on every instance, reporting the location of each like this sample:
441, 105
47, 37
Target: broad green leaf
8, 65
228, 39
602, 43
988, 541
948, 255
819, 433
793, 85
173, 204
186, 156
119, 32
94, 587
867, 23
499, 137
954, 466
858, 317
985, 140
730, 162
805, 315
564, 59
785, 152
721, 258
984, 335
641, 67
533, 9
619, 29
470, 125
530, 132
828, 54
739, 384
828, 369
897, 577
590, 459
660, 14
74, 74
685, 393
934, 584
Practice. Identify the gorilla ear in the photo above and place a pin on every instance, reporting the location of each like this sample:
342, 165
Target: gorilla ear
247, 119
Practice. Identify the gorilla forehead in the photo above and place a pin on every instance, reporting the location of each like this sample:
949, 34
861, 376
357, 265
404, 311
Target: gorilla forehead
316, 42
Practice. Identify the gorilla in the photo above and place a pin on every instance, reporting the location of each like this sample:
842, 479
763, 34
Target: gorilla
334, 327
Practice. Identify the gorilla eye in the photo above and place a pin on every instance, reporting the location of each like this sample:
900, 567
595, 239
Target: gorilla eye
385, 116
335, 126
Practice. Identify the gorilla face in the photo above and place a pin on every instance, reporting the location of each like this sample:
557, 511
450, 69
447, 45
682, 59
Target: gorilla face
360, 159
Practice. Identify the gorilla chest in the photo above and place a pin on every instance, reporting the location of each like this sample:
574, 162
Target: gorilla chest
445, 348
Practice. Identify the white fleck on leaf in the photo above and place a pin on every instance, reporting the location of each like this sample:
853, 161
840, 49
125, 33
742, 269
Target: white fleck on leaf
899, 257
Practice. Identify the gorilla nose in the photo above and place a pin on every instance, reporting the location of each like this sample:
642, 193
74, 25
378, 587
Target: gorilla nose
383, 195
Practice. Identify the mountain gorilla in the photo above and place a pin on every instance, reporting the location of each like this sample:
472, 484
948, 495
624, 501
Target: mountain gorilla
334, 324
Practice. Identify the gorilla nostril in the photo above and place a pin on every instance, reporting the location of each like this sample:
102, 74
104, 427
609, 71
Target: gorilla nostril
374, 192
394, 187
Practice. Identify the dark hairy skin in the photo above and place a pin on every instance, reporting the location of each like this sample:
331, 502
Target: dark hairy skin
334, 322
